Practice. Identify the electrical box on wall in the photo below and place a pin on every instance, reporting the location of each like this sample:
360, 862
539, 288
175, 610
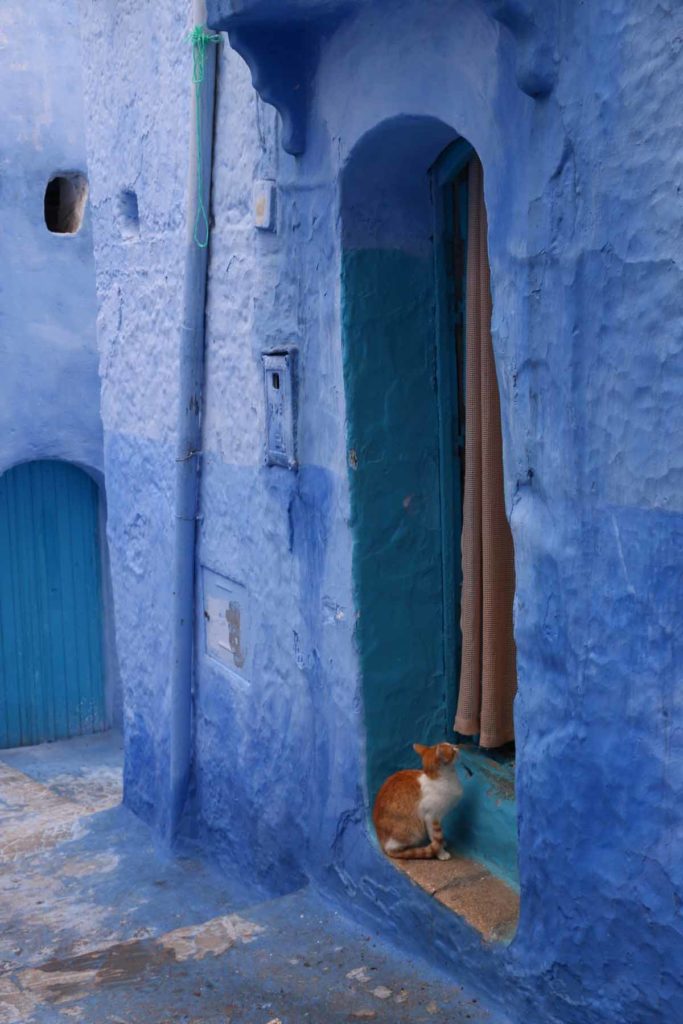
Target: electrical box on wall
226, 622
279, 373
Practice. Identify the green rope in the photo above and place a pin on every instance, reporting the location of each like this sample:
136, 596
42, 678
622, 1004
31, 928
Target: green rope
200, 38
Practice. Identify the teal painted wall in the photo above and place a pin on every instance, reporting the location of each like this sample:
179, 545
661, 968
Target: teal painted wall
51, 668
388, 303
484, 824
389, 374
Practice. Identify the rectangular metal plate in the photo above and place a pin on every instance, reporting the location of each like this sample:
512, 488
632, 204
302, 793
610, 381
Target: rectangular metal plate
278, 372
226, 622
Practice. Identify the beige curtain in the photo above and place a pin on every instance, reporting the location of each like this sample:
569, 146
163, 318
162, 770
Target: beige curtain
488, 675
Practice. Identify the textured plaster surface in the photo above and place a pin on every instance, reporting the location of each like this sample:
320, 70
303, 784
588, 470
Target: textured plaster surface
583, 196
49, 383
49, 388
139, 140
103, 928
484, 824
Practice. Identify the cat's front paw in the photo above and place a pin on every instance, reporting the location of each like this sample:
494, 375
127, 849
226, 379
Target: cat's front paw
443, 855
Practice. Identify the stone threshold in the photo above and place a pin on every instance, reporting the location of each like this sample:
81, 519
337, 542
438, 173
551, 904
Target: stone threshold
470, 890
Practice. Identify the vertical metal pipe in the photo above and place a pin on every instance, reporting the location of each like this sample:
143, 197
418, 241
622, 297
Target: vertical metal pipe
188, 454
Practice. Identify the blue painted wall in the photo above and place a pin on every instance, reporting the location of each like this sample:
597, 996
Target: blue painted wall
49, 384
48, 309
136, 107
585, 244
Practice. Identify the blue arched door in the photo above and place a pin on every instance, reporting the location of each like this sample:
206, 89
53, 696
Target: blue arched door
51, 665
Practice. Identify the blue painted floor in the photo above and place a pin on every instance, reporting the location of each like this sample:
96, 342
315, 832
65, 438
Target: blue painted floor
101, 927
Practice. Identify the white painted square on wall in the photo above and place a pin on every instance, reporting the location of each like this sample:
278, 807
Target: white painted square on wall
264, 205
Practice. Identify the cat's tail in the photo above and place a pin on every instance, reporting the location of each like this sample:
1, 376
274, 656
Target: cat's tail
422, 852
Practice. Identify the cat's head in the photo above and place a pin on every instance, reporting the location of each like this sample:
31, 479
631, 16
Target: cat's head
440, 756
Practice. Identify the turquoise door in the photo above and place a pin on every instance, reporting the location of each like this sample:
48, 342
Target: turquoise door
51, 669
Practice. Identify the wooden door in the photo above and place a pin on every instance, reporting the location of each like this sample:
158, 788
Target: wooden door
51, 659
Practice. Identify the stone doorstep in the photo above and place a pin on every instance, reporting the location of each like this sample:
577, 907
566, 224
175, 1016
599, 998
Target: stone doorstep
470, 890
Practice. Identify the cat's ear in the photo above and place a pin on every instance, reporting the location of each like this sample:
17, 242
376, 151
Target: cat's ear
419, 749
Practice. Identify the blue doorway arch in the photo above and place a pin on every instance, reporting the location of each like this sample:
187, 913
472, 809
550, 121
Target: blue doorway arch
403, 206
51, 645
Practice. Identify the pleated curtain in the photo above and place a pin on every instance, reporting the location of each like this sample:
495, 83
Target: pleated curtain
488, 675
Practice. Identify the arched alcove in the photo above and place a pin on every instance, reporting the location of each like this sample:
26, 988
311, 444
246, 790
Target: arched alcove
396, 286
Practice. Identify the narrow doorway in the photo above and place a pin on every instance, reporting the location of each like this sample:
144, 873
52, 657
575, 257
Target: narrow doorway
405, 213
51, 644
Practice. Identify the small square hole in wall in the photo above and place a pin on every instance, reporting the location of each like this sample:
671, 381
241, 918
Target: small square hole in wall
64, 203
128, 214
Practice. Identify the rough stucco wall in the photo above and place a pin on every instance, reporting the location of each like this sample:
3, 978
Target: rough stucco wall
584, 217
271, 741
600, 525
581, 199
49, 385
49, 388
580, 360
137, 70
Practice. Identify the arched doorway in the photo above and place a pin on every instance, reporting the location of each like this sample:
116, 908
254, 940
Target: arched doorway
51, 643
404, 367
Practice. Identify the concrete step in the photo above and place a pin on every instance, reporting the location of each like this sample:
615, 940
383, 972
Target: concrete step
470, 890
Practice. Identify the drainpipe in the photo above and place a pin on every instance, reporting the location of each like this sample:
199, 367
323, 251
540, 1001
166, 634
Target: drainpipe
188, 454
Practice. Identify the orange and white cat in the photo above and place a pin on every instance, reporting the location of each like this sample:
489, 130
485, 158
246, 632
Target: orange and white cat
410, 805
